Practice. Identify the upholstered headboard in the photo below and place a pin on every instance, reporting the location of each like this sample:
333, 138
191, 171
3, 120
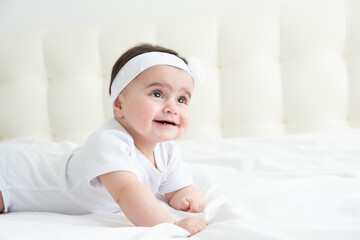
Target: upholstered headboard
284, 68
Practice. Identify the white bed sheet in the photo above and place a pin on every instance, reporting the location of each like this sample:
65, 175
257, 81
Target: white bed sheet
293, 187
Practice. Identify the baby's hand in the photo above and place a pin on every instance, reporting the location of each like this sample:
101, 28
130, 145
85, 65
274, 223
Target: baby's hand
192, 205
193, 225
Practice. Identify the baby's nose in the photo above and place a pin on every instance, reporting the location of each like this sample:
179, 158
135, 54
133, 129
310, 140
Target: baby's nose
171, 108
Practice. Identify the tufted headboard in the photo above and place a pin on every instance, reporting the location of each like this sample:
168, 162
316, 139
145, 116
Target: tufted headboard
289, 67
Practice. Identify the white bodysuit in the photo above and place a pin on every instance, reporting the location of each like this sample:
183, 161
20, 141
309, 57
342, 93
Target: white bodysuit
36, 180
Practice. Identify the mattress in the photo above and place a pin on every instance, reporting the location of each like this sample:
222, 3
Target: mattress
304, 186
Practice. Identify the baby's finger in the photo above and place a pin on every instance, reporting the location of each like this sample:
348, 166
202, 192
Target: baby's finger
203, 223
196, 207
184, 205
198, 226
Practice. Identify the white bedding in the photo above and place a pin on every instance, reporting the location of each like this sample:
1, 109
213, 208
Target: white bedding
293, 187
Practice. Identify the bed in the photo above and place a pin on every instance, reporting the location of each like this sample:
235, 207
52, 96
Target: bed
274, 143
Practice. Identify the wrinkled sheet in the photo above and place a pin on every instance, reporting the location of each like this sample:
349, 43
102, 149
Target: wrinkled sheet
292, 187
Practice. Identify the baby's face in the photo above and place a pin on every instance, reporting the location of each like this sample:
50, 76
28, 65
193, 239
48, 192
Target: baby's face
155, 106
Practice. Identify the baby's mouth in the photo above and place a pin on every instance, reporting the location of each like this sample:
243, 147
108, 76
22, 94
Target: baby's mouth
165, 122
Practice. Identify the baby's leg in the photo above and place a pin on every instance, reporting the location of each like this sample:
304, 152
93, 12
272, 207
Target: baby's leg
1, 203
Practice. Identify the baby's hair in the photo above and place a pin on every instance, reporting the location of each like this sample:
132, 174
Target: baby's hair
135, 51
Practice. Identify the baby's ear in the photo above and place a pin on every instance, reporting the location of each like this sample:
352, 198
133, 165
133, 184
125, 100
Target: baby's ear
117, 106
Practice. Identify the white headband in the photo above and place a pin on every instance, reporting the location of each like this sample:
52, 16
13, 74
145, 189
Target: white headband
140, 63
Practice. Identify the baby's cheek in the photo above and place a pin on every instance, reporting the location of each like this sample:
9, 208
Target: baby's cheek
185, 119
146, 112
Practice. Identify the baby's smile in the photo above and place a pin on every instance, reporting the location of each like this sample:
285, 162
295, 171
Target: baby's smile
165, 122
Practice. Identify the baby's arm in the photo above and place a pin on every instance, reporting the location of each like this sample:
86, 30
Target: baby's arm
140, 205
187, 199
135, 200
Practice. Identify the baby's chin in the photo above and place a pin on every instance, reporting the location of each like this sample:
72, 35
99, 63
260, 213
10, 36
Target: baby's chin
171, 138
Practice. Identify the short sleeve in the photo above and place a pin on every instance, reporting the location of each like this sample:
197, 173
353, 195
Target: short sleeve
106, 152
178, 174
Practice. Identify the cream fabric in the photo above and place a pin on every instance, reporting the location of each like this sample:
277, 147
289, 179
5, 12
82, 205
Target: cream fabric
271, 71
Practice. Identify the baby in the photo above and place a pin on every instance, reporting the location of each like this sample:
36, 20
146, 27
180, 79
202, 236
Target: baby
124, 163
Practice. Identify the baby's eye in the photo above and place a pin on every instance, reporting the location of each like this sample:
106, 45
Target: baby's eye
156, 94
182, 100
